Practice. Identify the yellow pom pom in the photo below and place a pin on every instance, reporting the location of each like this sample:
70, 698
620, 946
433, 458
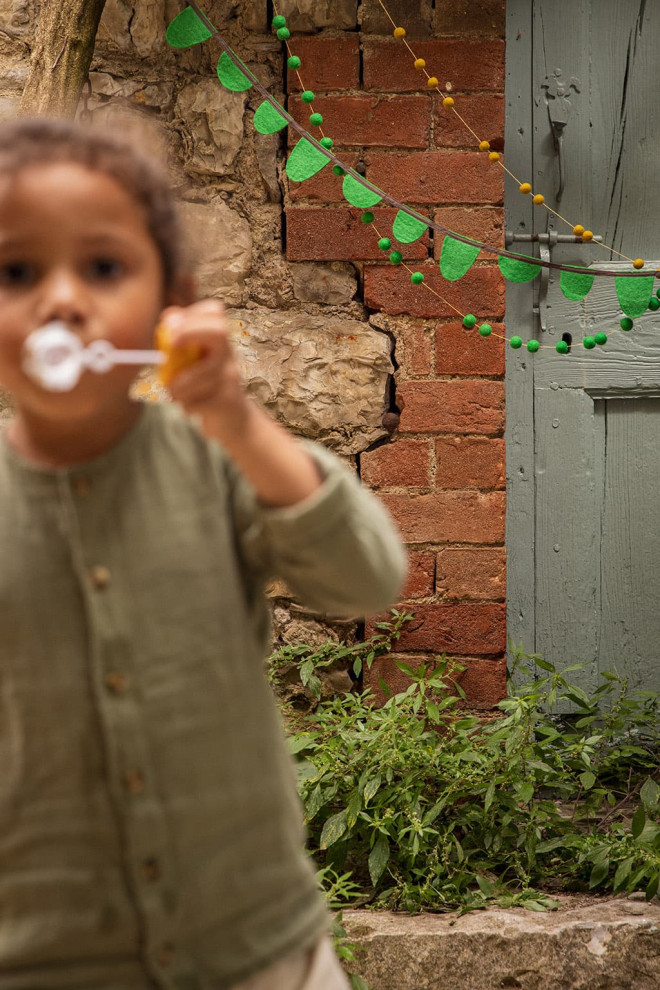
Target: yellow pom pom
485, 146
587, 235
638, 263
578, 230
420, 63
176, 358
525, 188
538, 199
399, 32
432, 83
448, 101
494, 156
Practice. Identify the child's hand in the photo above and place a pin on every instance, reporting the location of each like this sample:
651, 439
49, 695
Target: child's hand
211, 388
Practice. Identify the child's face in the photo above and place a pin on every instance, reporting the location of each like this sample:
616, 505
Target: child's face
74, 247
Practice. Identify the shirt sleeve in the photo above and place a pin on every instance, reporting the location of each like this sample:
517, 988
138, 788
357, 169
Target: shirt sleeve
338, 550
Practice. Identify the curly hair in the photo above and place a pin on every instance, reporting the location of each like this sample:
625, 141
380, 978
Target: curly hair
44, 141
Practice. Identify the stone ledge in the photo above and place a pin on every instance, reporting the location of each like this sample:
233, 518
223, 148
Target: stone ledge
590, 943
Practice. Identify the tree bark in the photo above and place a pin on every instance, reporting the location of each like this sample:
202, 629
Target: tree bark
62, 55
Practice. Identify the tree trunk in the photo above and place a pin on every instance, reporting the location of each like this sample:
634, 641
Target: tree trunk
61, 58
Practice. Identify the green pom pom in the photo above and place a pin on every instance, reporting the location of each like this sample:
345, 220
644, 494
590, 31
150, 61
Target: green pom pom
279, 21
469, 321
589, 343
654, 304
316, 119
384, 243
307, 96
338, 170
626, 323
367, 217
327, 142
283, 34
293, 62
396, 257
485, 329
601, 338
533, 346
562, 347
417, 278
515, 342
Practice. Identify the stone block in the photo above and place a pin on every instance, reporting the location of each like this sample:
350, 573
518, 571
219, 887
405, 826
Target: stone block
312, 15
15, 17
214, 120
326, 378
221, 245
333, 284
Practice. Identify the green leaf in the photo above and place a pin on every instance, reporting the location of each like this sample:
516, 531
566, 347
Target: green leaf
186, 30
575, 285
652, 888
623, 872
634, 294
485, 886
407, 229
457, 258
354, 808
638, 822
518, 271
358, 982
267, 120
587, 779
231, 76
359, 195
526, 792
305, 161
333, 830
378, 858
650, 792
599, 873
302, 740
371, 788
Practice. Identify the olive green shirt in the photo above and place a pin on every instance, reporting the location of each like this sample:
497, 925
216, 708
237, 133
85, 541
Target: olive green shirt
150, 830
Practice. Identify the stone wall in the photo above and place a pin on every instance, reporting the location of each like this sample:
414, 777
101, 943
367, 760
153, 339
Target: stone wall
334, 341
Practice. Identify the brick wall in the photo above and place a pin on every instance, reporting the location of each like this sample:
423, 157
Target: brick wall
442, 472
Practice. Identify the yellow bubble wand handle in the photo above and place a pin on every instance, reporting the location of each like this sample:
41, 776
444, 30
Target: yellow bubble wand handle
176, 358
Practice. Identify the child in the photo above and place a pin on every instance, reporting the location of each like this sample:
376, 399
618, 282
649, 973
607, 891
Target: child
150, 831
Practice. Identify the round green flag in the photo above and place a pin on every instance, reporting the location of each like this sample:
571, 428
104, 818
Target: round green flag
359, 195
231, 76
457, 258
407, 229
186, 29
267, 120
634, 294
305, 161
517, 271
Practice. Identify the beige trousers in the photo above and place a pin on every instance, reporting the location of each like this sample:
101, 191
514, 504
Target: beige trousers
316, 969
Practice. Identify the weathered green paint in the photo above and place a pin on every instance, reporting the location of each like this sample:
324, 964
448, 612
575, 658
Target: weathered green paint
583, 431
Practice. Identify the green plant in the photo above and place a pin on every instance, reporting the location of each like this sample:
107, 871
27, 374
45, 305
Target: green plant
426, 806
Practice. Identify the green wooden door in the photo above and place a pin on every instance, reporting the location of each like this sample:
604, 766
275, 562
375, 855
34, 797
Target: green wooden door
583, 431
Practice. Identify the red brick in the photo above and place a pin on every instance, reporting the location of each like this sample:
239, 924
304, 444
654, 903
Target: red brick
466, 65
339, 235
457, 406
325, 186
461, 630
483, 17
415, 17
390, 289
449, 517
483, 680
484, 112
476, 574
327, 63
414, 350
481, 223
402, 463
470, 462
367, 120
421, 575
436, 176
464, 352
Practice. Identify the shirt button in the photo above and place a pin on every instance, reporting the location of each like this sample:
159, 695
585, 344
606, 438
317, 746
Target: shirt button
151, 869
100, 576
165, 954
116, 683
134, 781
81, 485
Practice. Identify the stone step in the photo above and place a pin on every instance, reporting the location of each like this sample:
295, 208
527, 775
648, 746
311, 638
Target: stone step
589, 943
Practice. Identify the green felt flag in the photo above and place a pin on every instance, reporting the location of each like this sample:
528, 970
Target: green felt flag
518, 271
456, 258
186, 29
267, 120
634, 294
231, 76
575, 285
305, 161
407, 229
359, 195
